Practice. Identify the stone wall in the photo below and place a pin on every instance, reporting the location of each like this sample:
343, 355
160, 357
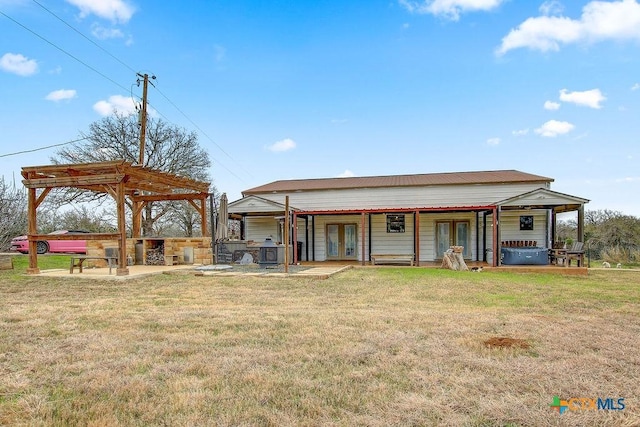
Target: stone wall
180, 246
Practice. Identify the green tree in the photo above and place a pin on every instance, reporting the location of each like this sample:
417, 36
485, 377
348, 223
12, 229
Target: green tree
611, 228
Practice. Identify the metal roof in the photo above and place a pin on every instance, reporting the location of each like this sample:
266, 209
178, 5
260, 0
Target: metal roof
452, 178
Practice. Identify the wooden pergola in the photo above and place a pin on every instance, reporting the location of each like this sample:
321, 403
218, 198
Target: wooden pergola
121, 180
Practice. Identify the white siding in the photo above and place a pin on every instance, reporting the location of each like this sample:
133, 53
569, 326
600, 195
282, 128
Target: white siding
259, 228
428, 232
391, 243
401, 197
510, 226
321, 222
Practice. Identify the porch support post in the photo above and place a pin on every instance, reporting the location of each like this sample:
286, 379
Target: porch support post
581, 223
286, 234
296, 255
362, 218
496, 236
478, 236
484, 236
313, 238
370, 233
553, 226
416, 237
306, 237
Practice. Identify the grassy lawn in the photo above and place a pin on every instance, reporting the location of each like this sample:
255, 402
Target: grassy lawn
383, 346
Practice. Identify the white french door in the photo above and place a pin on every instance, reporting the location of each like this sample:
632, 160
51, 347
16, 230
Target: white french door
342, 241
453, 233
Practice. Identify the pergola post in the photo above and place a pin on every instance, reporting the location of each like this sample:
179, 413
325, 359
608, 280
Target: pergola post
122, 269
203, 215
32, 228
136, 207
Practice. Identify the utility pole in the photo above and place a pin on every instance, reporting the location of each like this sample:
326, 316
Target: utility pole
137, 205
143, 116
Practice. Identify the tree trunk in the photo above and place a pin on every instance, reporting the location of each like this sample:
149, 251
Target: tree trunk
453, 259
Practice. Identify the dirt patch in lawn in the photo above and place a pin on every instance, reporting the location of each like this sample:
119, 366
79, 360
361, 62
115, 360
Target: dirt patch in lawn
506, 342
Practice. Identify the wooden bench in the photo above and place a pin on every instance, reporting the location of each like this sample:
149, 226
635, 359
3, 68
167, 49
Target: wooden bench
78, 260
377, 259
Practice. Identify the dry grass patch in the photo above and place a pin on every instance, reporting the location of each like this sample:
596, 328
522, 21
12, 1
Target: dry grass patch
384, 346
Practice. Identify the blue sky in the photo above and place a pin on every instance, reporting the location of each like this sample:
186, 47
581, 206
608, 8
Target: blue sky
313, 89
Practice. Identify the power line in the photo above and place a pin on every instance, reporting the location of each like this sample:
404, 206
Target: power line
112, 81
201, 131
43, 148
85, 37
134, 71
64, 51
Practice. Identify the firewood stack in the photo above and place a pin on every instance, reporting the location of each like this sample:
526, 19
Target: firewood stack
155, 256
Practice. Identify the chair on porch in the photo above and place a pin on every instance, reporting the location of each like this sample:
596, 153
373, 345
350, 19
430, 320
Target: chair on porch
575, 252
556, 249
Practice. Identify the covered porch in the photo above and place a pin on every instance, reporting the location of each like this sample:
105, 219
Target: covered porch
529, 217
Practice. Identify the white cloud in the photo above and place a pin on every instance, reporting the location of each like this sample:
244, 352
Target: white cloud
520, 132
60, 95
284, 145
550, 105
635, 86
113, 10
346, 174
600, 20
628, 179
552, 7
451, 9
18, 64
553, 128
115, 103
588, 98
493, 141
103, 33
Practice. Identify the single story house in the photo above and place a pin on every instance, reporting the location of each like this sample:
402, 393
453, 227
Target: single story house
421, 215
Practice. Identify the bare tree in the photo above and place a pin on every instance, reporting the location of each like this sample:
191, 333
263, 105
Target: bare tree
167, 148
13, 213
